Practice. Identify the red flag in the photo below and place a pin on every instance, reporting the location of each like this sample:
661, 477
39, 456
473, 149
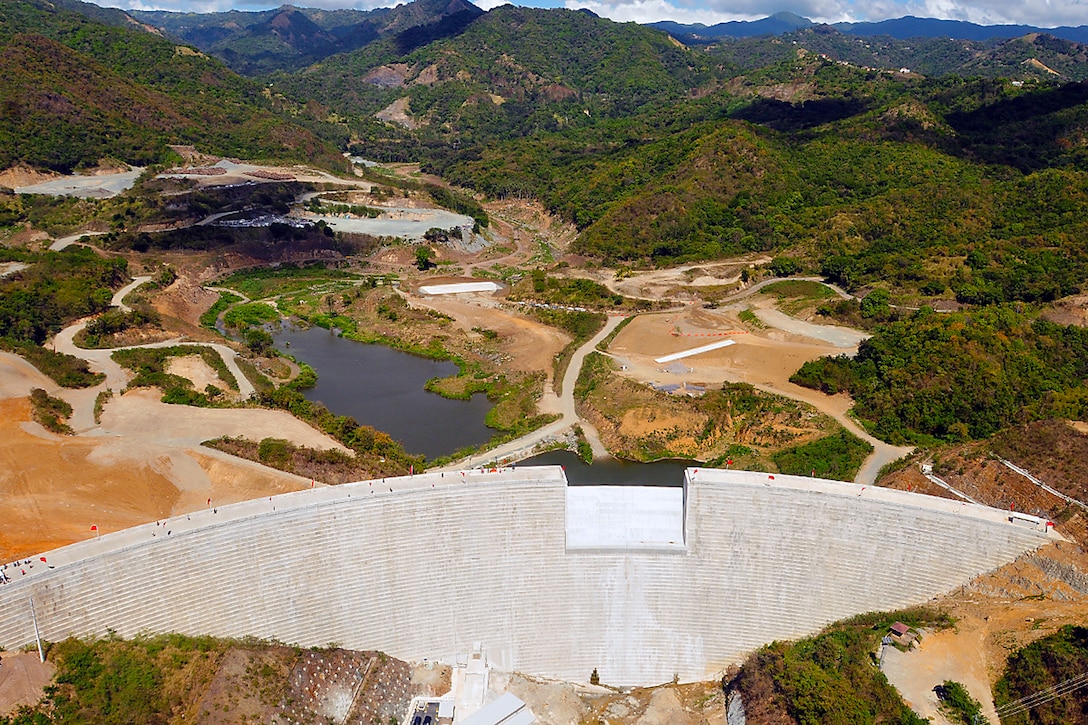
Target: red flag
94, 527
771, 477
43, 559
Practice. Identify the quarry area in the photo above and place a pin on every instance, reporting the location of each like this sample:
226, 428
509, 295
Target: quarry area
139, 461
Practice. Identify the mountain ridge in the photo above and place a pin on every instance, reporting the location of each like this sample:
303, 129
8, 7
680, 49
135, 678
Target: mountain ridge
902, 28
291, 37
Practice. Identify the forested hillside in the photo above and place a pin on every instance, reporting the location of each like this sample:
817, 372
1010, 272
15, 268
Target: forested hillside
76, 91
290, 38
868, 178
936, 188
1038, 56
1046, 673
511, 72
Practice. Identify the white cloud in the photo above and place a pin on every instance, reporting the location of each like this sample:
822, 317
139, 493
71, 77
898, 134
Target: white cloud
1042, 13
710, 12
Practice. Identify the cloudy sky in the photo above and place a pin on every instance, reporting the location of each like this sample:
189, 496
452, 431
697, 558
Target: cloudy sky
1042, 13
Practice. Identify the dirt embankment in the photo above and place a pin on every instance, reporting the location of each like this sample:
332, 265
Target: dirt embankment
143, 463
762, 356
18, 176
1004, 610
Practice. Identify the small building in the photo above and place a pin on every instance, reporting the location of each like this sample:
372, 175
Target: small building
900, 634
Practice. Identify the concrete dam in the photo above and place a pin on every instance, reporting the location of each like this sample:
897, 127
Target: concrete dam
641, 583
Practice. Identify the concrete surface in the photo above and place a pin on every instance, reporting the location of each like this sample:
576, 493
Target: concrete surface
426, 565
458, 288
624, 517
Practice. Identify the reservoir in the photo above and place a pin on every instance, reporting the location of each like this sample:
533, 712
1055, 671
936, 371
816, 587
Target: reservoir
383, 388
613, 471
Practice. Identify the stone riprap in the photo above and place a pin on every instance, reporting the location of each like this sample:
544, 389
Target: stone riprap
429, 565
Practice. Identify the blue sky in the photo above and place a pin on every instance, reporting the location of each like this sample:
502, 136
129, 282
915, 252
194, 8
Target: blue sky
1042, 13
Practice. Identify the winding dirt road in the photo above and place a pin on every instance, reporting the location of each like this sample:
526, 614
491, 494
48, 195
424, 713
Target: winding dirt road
526, 445
101, 361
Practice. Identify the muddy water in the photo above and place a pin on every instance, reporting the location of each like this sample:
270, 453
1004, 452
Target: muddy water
383, 388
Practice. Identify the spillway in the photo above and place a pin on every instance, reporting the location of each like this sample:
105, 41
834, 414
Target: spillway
641, 586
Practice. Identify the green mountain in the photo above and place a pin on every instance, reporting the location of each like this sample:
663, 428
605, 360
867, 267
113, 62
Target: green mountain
905, 28
512, 71
75, 91
290, 38
870, 178
659, 153
1030, 57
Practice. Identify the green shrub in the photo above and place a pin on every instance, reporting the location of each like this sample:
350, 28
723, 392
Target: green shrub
250, 314
1040, 667
97, 333
51, 412
67, 371
958, 704
273, 450
209, 318
100, 403
837, 456
832, 678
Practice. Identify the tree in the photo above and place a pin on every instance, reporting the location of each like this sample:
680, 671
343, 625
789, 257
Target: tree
876, 303
785, 266
258, 341
423, 257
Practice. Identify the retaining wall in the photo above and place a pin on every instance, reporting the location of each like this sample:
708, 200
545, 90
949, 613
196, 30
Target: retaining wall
428, 565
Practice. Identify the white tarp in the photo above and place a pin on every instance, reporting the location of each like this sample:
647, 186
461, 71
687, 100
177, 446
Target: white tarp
695, 351
456, 288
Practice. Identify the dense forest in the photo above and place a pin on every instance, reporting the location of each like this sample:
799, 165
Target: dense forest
54, 289
76, 91
880, 180
959, 376
1051, 665
829, 677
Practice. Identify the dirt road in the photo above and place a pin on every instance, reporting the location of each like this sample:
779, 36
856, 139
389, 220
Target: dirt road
526, 445
142, 462
763, 358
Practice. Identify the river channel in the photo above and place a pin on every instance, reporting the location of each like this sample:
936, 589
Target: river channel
383, 388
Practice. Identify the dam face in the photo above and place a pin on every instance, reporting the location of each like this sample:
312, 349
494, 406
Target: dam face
550, 580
